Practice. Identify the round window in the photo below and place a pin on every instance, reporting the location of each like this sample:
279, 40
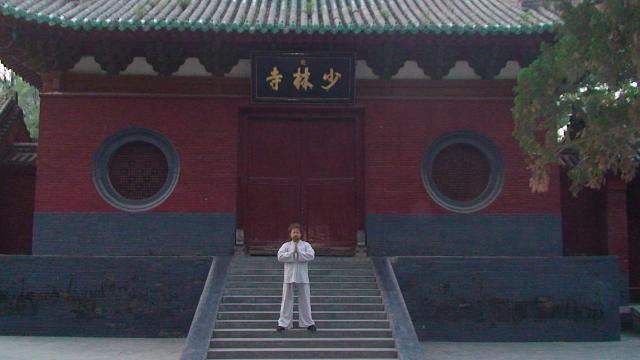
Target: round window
463, 171
135, 169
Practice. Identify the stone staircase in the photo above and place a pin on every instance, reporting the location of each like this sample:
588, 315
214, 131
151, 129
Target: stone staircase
346, 303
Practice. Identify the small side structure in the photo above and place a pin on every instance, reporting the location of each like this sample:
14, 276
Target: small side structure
17, 179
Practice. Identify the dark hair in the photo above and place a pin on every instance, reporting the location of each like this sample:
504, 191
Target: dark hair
296, 226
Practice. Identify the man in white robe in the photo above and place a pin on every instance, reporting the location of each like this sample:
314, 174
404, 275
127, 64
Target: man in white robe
295, 254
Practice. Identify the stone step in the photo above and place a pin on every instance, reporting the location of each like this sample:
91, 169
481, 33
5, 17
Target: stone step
315, 353
311, 267
314, 307
314, 292
306, 343
312, 271
317, 315
312, 278
301, 333
314, 299
231, 284
322, 324
347, 308
317, 260
274, 262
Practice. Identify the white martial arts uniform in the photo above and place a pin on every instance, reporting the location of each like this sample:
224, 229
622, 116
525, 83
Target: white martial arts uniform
295, 272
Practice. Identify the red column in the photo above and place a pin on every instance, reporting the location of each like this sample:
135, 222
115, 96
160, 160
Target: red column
616, 210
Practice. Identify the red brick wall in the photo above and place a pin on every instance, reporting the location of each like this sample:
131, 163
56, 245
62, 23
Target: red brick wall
202, 130
398, 133
633, 208
616, 220
583, 220
17, 189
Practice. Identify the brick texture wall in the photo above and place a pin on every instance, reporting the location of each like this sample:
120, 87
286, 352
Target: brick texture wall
398, 133
633, 206
486, 299
17, 190
202, 130
584, 224
100, 296
204, 133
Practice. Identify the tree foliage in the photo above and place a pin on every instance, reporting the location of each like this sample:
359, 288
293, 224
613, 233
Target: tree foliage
580, 97
28, 99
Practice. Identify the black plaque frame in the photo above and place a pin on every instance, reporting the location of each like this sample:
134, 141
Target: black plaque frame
288, 63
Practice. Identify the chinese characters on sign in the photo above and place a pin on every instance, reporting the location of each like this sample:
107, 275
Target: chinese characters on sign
332, 78
275, 78
302, 77
302, 80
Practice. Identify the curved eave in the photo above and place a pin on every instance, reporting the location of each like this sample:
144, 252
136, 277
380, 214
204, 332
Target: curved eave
198, 26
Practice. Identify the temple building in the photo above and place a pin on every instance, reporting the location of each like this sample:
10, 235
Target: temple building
175, 134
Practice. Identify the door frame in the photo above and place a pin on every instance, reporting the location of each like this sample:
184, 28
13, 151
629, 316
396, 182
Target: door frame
296, 111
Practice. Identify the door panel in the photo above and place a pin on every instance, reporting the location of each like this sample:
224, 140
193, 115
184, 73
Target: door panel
273, 149
300, 170
331, 212
271, 206
329, 148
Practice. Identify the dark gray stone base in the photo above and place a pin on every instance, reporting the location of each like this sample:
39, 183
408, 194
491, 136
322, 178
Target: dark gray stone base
100, 296
464, 235
635, 316
511, 298
624, 288
121, 233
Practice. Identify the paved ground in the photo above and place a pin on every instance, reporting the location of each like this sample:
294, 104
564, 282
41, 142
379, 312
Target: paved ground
626, 349
68, 348
65, 348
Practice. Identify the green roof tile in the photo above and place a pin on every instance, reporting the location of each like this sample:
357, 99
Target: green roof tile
299, 16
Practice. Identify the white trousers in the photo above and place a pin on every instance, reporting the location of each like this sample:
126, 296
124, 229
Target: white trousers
304, 306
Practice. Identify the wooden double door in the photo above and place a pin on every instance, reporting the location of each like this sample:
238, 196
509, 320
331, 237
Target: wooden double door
300, 168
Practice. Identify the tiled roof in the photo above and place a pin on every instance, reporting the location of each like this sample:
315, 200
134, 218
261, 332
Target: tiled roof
22, 154
299, 16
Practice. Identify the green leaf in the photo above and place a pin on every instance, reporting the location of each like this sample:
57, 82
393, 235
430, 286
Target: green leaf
584, 83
